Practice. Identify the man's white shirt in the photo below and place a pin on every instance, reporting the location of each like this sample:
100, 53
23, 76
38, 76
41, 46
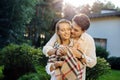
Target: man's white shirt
87, 45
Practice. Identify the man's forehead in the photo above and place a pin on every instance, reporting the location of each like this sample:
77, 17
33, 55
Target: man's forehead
74, 24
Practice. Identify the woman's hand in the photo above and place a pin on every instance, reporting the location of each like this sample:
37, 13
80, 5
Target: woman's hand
58, 64
62, 50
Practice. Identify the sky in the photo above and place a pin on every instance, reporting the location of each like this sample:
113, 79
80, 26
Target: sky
90, 2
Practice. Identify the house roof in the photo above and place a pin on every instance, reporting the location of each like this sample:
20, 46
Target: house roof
104, 15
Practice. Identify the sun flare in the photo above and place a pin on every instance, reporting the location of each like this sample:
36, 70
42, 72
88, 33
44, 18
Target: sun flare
77, 3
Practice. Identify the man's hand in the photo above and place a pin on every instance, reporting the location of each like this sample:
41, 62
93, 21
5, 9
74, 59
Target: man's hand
51, 52
76, 53
83, 61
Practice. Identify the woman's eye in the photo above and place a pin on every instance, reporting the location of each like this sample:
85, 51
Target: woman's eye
62, 30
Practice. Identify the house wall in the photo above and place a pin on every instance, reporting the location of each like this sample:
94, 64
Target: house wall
107, 28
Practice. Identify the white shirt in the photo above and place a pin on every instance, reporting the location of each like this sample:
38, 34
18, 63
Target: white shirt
87, 45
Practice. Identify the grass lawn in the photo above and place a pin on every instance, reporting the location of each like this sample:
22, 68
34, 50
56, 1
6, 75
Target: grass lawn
113, 75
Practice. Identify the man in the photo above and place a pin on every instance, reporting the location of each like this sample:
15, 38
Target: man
86, 45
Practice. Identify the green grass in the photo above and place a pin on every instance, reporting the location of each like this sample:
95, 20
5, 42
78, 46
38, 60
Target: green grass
113, 75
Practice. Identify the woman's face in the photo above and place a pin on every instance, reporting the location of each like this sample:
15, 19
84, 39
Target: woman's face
64, 31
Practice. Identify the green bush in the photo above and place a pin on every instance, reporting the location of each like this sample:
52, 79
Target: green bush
114, 62
102, 67
18, 60
1, 75
0, 58
41, 70
40, 75
43, 60
101, 52
31, 76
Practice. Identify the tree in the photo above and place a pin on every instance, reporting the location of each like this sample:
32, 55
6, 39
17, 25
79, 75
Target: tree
15, 14
40, 26
69, 11
118, 8
109, 5
97, 7
85, 9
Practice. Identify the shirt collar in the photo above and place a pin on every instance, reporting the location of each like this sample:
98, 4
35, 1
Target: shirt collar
82, 37
71, 43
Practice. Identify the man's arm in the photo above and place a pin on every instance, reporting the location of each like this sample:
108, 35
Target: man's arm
90, 54
79, 55
48, 48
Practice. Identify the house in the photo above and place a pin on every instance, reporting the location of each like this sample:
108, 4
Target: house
105, 29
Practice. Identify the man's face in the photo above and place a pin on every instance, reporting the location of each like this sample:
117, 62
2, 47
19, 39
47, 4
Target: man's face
76, 31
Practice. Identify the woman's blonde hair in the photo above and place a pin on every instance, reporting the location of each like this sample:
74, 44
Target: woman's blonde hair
61, 21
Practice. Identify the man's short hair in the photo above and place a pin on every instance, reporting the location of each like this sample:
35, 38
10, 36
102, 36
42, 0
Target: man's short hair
82, 20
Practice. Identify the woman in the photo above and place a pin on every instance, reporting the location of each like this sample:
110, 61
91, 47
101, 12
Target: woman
61, 66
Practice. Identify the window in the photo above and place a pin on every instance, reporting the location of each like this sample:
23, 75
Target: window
101, 42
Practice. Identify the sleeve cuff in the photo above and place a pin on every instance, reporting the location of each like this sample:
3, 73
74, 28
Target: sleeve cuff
89, 62
46, 49
48, 69
87, 59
